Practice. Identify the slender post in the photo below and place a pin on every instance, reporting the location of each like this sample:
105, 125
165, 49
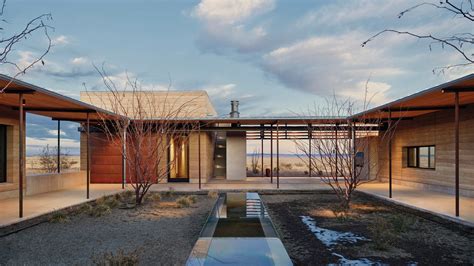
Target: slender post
124, 157
456, 148
262, 137
278, 156
271, 153
199, 154
390, 153
88, 156
336, 148
59, 146
21, 154
310, 133
354, 149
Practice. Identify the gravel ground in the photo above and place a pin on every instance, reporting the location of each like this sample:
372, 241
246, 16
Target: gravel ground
162, 234
423, 241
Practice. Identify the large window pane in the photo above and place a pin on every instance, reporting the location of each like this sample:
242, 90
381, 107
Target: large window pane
432, 157
412, 157
423, 154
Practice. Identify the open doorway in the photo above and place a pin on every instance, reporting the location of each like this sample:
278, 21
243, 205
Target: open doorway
178, 159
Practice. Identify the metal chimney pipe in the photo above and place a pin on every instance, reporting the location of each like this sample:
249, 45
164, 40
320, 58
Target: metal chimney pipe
234, 109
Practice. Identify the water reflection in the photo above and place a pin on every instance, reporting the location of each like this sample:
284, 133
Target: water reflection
239, 232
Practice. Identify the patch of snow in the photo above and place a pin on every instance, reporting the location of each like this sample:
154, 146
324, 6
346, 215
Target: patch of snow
361, 261
330, 237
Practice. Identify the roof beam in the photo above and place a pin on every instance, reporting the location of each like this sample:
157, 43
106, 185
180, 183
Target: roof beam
22, 90
454, 89
419, 108
53, 109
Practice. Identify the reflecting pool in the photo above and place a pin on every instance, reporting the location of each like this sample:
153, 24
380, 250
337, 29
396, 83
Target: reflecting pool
239, 232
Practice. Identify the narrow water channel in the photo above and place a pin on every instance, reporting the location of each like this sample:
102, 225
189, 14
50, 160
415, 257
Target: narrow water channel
239, 231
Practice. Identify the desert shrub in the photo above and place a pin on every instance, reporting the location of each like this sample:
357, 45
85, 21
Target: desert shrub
183, 202
299, 164
287, 166
169, 193
192, 199
127, 196
340, 212
59, 217
100, 210
153, 197
112, 202
118, 259
382, 233
401, 223
213, 194
85, 208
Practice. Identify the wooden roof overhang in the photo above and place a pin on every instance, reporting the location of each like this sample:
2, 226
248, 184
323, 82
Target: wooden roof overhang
437, 98
47, 103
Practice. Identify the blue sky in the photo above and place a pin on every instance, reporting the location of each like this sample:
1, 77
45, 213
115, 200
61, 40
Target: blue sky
276, 57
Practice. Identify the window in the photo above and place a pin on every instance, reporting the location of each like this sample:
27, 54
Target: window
421, 157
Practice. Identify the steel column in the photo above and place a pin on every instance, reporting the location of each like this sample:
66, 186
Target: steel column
59, 146
456, 148
124, 157
354, 150
21, 154
271, 153
88, 176
199, 154
310, 163
262, 136
336, 148
278, 156
390, 135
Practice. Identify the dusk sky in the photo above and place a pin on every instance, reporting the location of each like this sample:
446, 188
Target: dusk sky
276, 57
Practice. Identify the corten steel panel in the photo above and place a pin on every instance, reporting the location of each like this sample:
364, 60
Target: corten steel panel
106, 160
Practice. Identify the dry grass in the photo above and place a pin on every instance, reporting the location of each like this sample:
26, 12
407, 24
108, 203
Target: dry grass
213, 194
120, 258
59, 217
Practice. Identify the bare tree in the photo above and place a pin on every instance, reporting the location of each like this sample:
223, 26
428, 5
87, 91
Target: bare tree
48, 160
9, 41
460, 42
147, 126
254, 160
334, 154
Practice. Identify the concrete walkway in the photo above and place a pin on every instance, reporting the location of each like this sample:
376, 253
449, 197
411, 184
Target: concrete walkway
40, 204
436, 202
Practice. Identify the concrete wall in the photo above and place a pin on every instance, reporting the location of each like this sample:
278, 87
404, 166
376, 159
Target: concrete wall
432, 129
10, 118
236, 155
36, 184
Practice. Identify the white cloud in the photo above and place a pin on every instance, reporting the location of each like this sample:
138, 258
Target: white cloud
122, 82
60, 40
322, 65
230, 12
227, 24
80, 61
220, 91
55, 132
375, 93
42, 142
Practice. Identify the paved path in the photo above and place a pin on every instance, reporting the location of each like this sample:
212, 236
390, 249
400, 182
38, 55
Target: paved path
39, 204
47, 202
436, 202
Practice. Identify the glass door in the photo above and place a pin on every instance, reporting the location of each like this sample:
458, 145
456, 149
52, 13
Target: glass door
178, 160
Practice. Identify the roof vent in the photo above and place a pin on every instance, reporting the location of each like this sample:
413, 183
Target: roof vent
234, 109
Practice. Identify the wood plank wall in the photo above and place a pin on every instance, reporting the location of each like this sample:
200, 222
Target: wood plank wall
433, 129
10, 118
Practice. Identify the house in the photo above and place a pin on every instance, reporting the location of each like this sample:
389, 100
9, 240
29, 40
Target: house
431, 144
